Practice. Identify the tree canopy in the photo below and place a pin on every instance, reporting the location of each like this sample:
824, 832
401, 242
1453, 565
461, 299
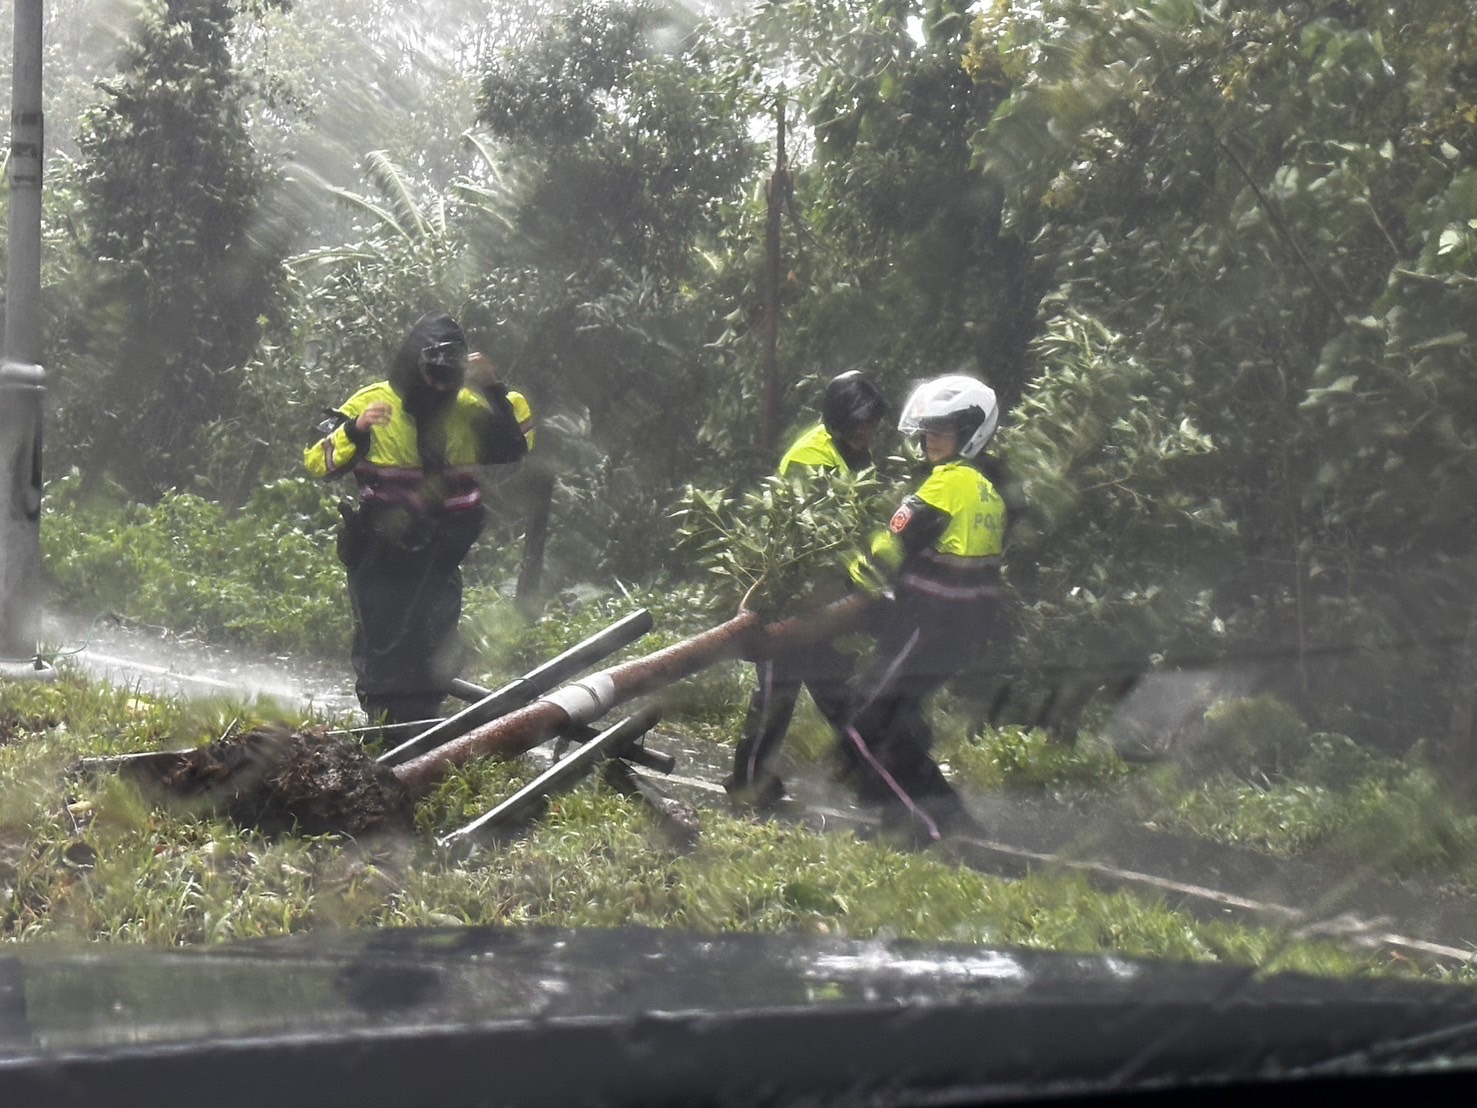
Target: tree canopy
1216, 258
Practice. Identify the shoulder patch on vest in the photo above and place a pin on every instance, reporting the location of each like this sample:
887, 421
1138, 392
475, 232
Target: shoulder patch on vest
900, 519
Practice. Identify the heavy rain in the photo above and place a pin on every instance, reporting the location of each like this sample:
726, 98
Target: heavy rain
837, 551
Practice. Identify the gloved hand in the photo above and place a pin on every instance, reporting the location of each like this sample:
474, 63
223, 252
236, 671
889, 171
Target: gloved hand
868, 578
482, 374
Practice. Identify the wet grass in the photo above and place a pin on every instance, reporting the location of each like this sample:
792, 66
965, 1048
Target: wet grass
88, 860
1332, 802
1404, 826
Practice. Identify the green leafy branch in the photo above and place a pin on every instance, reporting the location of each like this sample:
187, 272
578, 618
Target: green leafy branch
783, 545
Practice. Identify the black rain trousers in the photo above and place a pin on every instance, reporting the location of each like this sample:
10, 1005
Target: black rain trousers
886, 744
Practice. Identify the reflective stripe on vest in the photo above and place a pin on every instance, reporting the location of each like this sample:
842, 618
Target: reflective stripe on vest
389, 471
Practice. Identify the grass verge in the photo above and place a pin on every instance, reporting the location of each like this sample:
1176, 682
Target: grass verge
88, 861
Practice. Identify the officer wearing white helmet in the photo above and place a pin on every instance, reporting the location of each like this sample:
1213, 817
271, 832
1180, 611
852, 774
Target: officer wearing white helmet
938, 564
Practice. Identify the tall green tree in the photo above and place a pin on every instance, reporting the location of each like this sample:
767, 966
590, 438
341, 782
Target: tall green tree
337, 79
625, 143
186, 257
903, 262
892, 248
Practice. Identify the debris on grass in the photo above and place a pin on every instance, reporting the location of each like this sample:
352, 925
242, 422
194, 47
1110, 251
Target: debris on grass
277, 780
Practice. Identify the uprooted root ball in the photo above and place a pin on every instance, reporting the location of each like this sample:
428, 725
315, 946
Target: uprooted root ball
277, 780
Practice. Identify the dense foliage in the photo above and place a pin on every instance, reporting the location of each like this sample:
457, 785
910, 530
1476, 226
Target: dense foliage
1250, 226
1217, 258
186, 250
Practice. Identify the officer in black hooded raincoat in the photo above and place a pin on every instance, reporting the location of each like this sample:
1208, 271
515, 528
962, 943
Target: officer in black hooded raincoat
414, 443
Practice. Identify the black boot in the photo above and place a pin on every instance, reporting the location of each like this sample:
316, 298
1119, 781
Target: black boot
762, 794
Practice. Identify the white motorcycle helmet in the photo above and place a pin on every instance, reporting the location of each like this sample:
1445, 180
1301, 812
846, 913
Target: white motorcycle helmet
958, 403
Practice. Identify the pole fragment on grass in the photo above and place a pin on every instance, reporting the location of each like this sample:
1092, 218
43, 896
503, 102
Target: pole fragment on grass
608, 744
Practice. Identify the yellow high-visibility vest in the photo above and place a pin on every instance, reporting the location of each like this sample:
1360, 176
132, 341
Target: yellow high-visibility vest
963, 563
389, 471
814, 449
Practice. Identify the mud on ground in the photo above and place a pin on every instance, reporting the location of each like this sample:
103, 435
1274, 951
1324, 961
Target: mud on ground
277, 780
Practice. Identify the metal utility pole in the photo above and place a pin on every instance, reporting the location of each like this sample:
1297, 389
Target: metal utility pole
21, 376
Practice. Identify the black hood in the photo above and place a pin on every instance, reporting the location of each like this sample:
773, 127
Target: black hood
405, 371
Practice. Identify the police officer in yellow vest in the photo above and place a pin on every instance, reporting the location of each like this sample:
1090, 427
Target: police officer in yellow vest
938, 563
413, 443
851, 413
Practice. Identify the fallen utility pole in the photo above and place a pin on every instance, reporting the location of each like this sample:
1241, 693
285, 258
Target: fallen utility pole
432, 732
636, 754
520, 691
586, 700
275, 779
